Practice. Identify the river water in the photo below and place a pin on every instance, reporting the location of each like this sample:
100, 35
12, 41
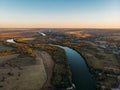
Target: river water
80, 72
10, 41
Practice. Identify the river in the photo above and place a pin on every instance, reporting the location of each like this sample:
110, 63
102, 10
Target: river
81, 76
10, 41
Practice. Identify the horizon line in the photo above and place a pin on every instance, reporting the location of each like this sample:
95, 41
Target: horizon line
56, 28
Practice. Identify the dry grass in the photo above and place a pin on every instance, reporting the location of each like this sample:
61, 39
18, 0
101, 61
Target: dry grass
79, 34
115, 37
93, 61
23, 73
5, 58
25, 39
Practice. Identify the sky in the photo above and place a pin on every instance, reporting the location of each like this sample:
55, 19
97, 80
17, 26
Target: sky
59, 13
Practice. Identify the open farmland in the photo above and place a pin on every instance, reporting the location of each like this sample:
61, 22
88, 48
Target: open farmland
22, 72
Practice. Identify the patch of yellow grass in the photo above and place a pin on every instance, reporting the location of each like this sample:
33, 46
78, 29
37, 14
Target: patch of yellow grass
25, 39
79, 34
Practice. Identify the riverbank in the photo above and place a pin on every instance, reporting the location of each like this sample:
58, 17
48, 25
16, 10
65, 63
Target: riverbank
61, 76
81, 76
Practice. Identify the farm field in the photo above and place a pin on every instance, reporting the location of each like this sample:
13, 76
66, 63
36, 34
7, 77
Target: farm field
21, 72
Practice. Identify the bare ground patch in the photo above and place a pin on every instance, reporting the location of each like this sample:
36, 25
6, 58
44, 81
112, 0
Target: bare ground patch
49, 64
